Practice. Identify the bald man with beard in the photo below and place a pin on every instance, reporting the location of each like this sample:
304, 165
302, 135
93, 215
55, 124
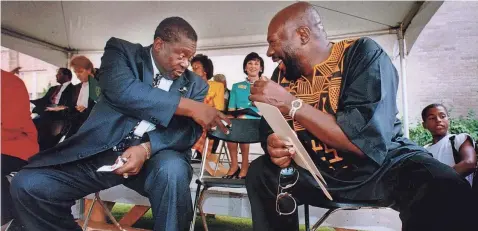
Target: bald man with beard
340, 98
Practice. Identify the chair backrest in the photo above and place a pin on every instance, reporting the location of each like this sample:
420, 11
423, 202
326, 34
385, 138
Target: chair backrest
243, 131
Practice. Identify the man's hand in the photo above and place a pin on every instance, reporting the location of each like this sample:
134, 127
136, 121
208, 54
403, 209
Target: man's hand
281, 153
203, 114
135, 156
80, 108
269, 92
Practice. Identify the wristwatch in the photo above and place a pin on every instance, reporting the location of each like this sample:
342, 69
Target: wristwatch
296, 105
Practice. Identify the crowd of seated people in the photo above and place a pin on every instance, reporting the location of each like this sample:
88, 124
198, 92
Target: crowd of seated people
339, 98
57, 114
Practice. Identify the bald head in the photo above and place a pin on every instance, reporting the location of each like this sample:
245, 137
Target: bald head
300, 14
296, 36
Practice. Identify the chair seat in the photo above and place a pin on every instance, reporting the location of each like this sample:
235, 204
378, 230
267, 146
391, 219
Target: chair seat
221, 182
352, 204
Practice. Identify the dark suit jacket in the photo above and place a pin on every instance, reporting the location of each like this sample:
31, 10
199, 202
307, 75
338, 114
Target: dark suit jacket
66, 99
127, 97
80, 117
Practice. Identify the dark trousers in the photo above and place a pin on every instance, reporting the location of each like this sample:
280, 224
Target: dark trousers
43, 196
429, 195
9, 164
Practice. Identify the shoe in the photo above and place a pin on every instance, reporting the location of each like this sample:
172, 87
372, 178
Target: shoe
234, 175
241, 177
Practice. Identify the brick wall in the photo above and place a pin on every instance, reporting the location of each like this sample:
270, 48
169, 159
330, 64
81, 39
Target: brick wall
443, 64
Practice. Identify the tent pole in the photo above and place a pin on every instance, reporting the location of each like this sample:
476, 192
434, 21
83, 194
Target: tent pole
68, 60
403, 73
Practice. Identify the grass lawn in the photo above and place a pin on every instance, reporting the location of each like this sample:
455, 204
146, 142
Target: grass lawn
217, 223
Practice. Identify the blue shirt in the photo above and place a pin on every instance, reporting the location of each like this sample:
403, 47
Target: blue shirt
239, 98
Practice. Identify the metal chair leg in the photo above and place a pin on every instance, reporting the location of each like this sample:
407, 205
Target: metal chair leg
105, 208
323, 218
226, 151
201, 212
193, 222
198, 206
306, 216
108, 212
219, 157
90, 210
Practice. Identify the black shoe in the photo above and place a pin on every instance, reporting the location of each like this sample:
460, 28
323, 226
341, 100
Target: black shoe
234, 175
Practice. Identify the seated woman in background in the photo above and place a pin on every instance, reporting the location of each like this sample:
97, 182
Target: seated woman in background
85, 93
454, 150
253, 67
203, 67
220, 78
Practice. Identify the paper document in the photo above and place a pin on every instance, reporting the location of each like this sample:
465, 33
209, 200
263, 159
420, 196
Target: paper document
110, 168
282, 129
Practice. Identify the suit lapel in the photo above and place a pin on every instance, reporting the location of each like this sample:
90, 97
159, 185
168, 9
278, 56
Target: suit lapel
65, 94
180, 85
146, 73
145, 66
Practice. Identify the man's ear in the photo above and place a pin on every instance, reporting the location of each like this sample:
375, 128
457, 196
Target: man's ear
424, 125
304, 34
158, 44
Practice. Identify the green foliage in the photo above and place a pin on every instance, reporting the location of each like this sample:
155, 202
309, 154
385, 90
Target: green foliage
467, 124
45, 90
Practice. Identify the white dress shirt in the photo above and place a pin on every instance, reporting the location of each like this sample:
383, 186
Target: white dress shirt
164, 84
83, 96
56, 100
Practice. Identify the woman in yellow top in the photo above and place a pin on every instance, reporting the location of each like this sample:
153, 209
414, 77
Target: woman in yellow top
203, 67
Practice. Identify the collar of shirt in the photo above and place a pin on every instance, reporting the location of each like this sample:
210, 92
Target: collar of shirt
65, 84
155, 69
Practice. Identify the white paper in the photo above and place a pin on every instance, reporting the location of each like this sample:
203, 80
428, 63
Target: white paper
110, 168
282, 129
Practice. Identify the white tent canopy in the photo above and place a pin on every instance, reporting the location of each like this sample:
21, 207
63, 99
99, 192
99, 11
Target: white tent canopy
49, 30
54, 31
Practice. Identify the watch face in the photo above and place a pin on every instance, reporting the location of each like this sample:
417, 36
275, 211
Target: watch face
296, 104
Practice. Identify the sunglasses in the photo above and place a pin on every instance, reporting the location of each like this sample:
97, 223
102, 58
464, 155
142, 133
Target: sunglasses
285, 202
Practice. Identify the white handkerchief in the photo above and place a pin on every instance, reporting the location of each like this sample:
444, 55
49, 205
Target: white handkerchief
110, 168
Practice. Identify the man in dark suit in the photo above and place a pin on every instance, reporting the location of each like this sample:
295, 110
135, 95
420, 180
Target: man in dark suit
53, 108
151, 129
59, 95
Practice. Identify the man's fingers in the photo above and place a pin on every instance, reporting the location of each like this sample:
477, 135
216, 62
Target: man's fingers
256, 98
260, 83
279, 152
225, 119
222, 127
129, 168
275, 142
282, 161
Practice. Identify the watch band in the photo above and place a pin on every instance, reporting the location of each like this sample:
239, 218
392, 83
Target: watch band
296, 105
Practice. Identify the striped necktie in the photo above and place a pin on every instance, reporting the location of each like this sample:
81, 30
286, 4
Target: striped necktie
157, 79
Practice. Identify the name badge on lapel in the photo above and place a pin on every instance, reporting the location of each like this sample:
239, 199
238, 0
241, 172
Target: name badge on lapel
242, 86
